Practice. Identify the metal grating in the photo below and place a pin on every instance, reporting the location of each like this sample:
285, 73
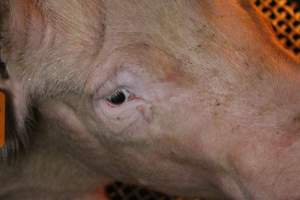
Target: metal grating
284, 18
121, 191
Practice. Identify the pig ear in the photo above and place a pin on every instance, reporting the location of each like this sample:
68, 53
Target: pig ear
17, 18
17, 119
3, 10
17, 114
3, 18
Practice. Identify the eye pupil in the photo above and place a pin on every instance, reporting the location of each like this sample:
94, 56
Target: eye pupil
118, 98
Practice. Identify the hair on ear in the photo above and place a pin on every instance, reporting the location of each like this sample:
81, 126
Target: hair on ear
18, 135
17, 140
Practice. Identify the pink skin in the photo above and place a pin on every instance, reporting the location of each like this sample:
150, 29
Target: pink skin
213, 108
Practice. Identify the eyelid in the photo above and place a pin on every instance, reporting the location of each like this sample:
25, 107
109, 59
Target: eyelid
106, 89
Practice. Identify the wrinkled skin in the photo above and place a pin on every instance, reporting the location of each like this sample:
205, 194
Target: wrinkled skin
212, 106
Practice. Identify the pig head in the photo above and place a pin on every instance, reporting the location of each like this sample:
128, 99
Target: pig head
189, 97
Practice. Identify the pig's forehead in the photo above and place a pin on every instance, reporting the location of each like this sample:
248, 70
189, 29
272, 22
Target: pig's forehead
197, 30
184, 27
172, 22
202, 30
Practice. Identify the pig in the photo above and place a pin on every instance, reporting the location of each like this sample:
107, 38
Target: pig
187, 97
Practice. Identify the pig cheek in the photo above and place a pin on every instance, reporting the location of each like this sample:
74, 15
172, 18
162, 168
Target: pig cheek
119, 121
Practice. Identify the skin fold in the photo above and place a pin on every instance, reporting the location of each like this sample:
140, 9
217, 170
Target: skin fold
208, 104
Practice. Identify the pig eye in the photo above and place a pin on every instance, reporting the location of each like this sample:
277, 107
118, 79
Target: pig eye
119, 97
